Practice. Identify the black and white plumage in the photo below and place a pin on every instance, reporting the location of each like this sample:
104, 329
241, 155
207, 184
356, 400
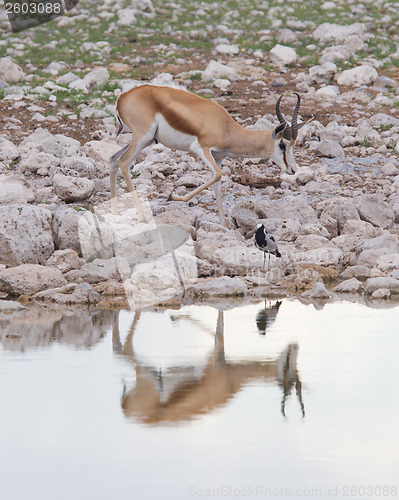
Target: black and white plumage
265, 242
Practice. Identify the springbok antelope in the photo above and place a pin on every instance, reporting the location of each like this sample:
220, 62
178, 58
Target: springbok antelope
184, 392
181, 120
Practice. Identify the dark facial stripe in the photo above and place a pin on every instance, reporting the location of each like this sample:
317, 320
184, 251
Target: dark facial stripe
285, 161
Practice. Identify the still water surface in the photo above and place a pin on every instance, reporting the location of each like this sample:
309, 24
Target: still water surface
282, 402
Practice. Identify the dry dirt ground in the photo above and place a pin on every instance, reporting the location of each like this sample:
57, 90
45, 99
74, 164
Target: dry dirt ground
242, 100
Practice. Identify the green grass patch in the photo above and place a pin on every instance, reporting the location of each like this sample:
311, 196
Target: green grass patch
366, 143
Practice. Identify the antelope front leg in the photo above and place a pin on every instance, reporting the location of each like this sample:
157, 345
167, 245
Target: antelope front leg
114, 198
133, 193
113, 172
206, 156
124, 166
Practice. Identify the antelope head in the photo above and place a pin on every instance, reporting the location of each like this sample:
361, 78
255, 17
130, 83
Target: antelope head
284, 137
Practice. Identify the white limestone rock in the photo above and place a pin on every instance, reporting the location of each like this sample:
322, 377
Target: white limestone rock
96, 78
376, 211
65, 228
80, 166
381, 294
65, 260
10, 71
328, 6
390, 169
384, 241
54, 68
227, 253
322, 73
335, 213
100, 270
102, 150
385, 282
314, 228
3, 84
40, 163
333, 132
7, 306
222, 84
290, 206
361, 75
8, 150
29, 279
329, 32
351, 285
334, 53
67, 78
359, 272
330, 149
383, 119
225, 48
365, 131
286, 35
126, 17
71, 189
389, 262
318, 291
15, 189
218, 70
304, 175
354, 42
220, 287
323, 256
143, 6
245, 219
385, 81
25, 235
311, 242
70, 294
328, 91
368, 258
281, 55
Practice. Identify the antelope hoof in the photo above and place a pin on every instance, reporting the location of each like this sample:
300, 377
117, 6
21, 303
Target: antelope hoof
170, 198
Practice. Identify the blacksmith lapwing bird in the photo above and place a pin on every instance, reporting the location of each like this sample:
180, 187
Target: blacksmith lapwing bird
265, 242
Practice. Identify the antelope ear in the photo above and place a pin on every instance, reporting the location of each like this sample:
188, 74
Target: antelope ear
278, 132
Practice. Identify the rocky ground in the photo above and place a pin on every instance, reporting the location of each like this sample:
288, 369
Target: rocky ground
335, 220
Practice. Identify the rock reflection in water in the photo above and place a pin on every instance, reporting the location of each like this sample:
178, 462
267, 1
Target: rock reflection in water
181, 393
37, 327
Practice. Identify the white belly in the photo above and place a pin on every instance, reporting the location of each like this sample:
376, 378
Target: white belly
170, 137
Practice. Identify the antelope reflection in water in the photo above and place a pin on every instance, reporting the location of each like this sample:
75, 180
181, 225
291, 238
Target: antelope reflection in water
183, 392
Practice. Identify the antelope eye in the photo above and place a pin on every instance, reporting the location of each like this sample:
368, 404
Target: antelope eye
282, 146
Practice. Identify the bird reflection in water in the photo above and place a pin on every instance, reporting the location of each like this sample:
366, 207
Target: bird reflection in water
289, 376
181, 393
267, 316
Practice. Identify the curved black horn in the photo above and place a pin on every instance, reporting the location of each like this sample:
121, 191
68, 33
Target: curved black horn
278, 112
294, 123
